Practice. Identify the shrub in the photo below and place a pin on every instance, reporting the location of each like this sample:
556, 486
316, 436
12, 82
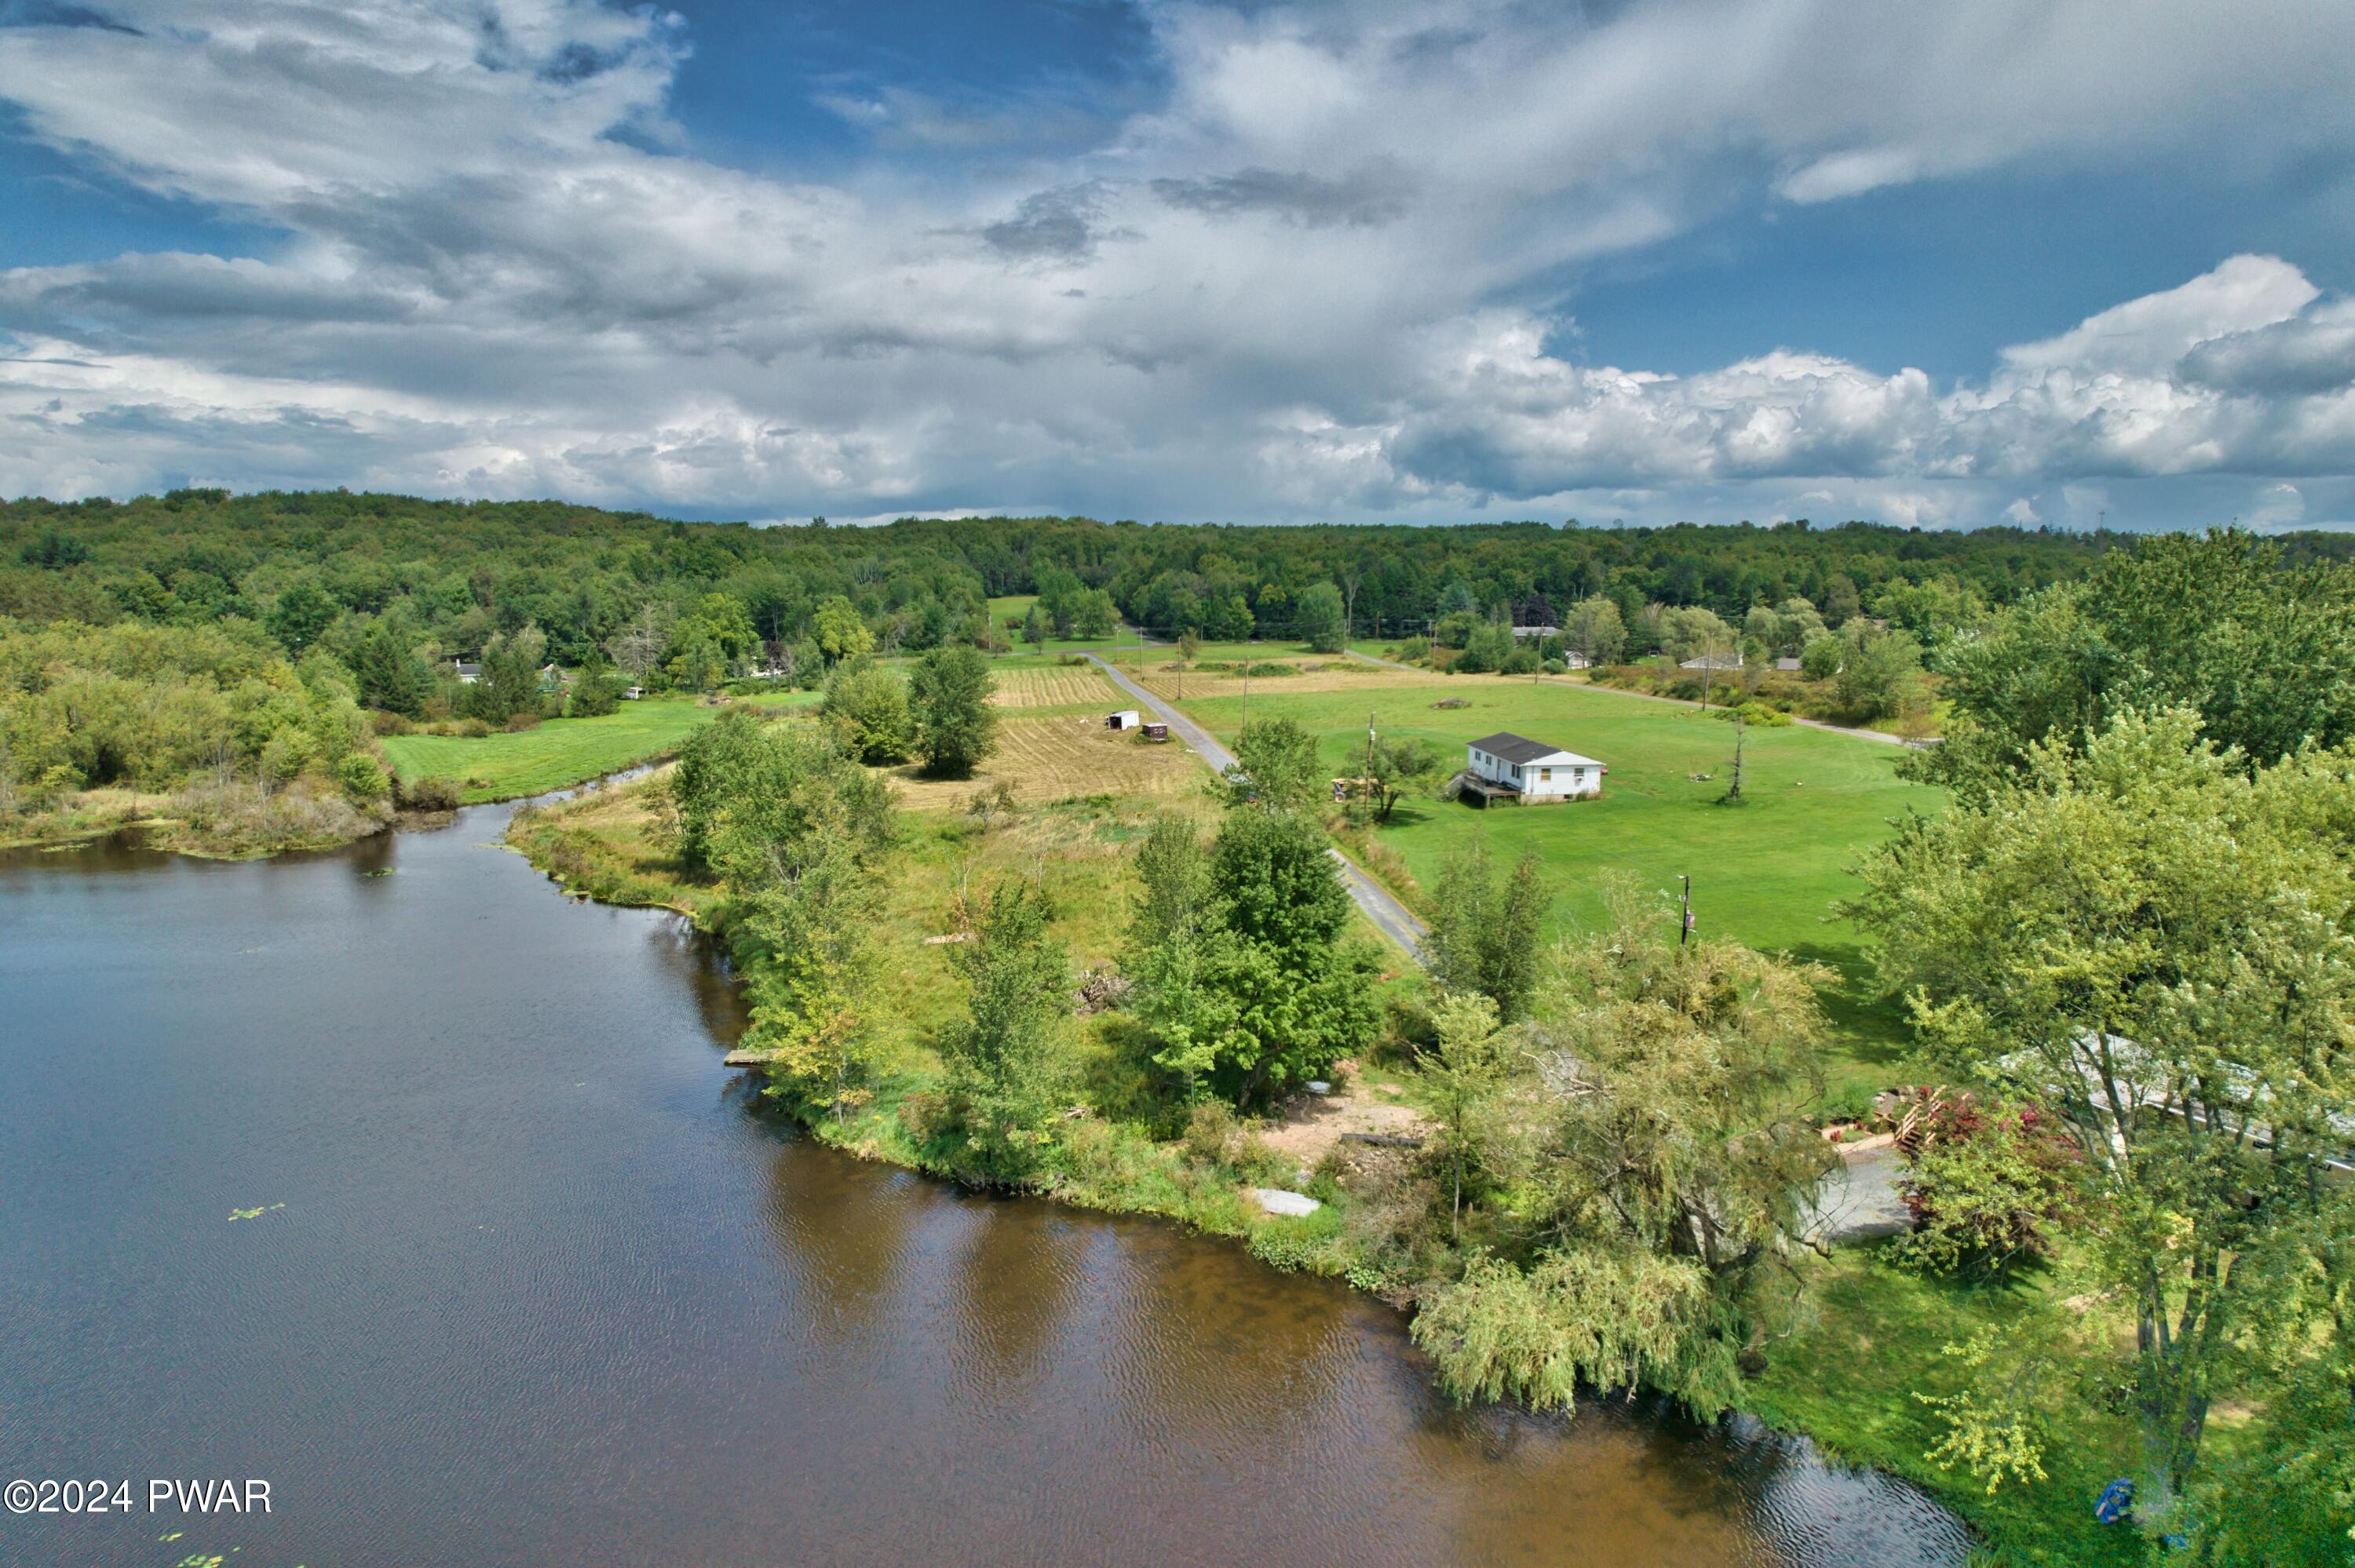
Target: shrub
385, 723
427, 794
473, 728
1987, 1183
362, 779
519, 722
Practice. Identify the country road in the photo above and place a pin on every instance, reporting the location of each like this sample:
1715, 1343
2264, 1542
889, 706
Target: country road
1858, 1202
1391, 918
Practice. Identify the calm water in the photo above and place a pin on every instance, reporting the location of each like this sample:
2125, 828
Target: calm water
547, 1287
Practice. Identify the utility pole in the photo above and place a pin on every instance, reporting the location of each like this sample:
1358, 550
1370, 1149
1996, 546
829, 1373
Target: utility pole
1685, 927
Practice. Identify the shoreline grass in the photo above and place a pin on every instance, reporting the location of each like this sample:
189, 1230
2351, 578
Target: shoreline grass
1844, 1378
559, 753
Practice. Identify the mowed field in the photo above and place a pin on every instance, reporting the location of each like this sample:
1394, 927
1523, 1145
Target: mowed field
1052, 745
1765, 873
560, 752
1034, 687
1045, 759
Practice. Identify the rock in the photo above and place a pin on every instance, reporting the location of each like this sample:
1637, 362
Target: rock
1319, 1086
1275, 1200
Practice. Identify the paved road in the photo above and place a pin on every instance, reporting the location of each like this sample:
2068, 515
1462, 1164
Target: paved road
1390, 916
1655, 697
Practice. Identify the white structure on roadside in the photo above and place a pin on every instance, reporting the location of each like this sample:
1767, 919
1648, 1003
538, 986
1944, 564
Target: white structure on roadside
1714, 662
1126, 718
1512, 766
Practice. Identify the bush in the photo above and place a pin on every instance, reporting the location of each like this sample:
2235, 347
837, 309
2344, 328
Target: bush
518, 723
362, 779
472, 728
427, 794
1986, 1184
385, 723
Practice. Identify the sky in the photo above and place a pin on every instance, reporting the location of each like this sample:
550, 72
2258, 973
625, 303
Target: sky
2067, 262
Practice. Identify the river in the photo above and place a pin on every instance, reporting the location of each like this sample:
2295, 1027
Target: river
549, 1285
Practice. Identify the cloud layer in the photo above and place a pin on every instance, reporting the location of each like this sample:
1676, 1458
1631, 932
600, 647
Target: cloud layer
1306, 282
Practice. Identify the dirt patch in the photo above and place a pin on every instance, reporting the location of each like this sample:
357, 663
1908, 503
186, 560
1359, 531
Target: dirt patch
1048, 759
1313, 1124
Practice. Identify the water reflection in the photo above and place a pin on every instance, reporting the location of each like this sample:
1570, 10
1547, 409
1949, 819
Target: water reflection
551, 1286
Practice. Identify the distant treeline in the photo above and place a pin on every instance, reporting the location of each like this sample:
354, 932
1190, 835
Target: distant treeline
453, 574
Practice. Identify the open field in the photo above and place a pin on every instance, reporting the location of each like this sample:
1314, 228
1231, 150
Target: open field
1040, 685
1018, 605
1311, 673
604, 844
1051, 758
1765, 873
559, 752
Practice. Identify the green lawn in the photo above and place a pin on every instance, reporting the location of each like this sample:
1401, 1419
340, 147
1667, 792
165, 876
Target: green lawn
1018, 605
1765, 873
560, 752
1873, 1338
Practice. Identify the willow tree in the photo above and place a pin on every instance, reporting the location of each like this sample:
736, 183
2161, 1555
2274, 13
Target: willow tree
1666, 1183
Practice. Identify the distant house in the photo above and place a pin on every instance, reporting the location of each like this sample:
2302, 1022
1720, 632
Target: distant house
1126, 718
1573, 660
1714, 662
1525, 633
1788, 666
1506, 766
634, 693
466, 670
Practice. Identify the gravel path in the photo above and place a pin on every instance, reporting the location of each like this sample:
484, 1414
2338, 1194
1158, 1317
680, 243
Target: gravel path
1390, 916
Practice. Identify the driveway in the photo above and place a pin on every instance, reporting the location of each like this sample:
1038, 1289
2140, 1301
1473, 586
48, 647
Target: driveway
1391, 918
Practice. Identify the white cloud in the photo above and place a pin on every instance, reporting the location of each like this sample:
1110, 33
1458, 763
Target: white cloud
1293, 289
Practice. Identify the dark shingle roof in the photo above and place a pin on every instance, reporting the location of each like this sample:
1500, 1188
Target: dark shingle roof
1513, 748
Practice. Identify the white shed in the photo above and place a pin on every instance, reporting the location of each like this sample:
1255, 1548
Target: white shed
1512, 766
1126, 718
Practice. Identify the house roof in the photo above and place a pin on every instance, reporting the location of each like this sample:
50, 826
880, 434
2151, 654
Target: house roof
1520, 749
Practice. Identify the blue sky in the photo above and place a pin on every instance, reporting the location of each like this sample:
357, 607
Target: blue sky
1459, 258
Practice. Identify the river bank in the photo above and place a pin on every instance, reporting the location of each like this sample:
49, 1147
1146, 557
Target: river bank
546, 1285
232, 821
1847, 1379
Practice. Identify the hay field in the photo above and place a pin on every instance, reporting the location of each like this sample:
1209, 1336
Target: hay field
1318, 673
1075, 686
1048, 758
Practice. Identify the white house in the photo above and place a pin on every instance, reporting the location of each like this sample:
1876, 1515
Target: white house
1126, 718
466, 670
1515, 768
1714, 662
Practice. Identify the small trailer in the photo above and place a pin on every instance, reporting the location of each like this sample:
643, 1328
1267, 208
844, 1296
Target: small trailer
1126, 718
1157, 732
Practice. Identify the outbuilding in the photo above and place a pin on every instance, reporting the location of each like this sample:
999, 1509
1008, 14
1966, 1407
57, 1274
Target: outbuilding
1157, 732
1126, 718
1507, 766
